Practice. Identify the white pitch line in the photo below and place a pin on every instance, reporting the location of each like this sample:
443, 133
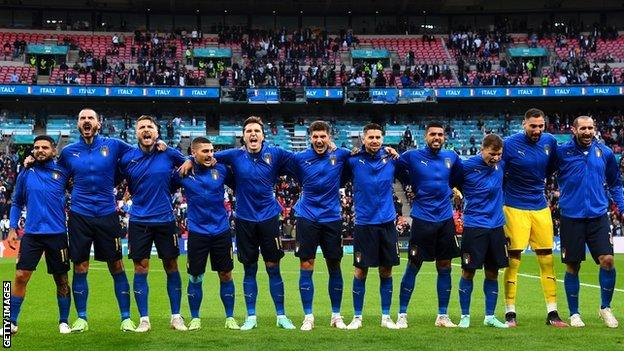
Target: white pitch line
559, 280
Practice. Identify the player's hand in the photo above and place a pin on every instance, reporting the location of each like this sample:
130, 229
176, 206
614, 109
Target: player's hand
161, 145
354, 151
392, 152
332, 147
12, 238
28, 161
212, 163
186, 167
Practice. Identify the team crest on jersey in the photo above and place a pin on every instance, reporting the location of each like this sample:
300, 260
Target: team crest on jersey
384, 160
215, 174
598, 152
104, 151
332, 160
413, 251
447, 162
547, 149
296, 247
56, 175
563, 252
267, 158
358, 257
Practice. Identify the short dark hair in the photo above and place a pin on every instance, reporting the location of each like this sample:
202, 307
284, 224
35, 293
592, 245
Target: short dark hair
253, 119
147, 118
372, 126
575, 123
97, 115
492, 141
534, 112
319, 126
46, 138
200, 140
433, 124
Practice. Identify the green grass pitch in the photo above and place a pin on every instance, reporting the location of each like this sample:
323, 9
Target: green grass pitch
39, 331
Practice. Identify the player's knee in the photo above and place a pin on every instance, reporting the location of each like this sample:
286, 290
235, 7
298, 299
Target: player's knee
543, 252
360, 273
271, 264
170, 265
573, 267
443, 265
141, 267
307, 265
606, 261
468, 274
83, 267
515, 254
385, 272
114, 267
491, 274
415, 262
333, 265
22, 277
225, 276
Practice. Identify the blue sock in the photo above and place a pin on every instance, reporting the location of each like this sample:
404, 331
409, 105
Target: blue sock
250, 288
122, 292
195, 295
465, 294
607, 285
64, 302
227, 297
141, 291
572, 288
16, 305
359, 289
335, 289
306, 290
174, 290
490, 290
385, 290
80, 288
407, 286
276, 287
444, 289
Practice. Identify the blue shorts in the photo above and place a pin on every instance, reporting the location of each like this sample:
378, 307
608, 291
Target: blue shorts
218, 247
578, 232
431, 241
141, 237
311, 234
253, 235
375, 245
101, 232
55, 247
484, 247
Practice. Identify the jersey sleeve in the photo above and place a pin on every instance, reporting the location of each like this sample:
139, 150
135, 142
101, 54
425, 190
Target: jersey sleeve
614, 181
176, 156
286, 159
226, 157
122, 147
229, 178
551, 168
18, 199
457, 173
402, 168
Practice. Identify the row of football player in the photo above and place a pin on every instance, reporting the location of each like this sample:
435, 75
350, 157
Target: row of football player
525, 161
